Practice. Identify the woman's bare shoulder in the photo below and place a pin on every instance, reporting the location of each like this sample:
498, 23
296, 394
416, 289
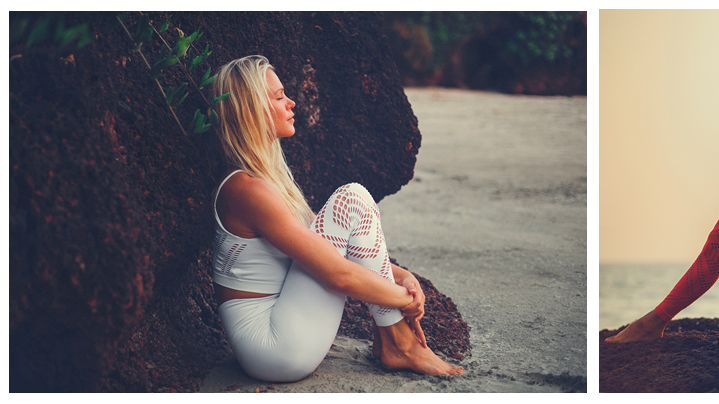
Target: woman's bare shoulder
243, 189
244, 203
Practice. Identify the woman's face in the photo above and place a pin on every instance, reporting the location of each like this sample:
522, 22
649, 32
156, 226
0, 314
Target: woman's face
282, 105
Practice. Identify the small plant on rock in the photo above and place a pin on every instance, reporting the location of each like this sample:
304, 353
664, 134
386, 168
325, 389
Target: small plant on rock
187, 57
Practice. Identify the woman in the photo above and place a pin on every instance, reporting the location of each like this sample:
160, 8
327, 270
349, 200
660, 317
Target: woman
281, 273
700, 277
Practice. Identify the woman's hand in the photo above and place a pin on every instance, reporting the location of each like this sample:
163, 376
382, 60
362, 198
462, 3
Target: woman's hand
414, 310
417, 330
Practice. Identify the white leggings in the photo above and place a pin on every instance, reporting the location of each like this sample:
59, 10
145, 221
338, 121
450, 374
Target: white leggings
283, 338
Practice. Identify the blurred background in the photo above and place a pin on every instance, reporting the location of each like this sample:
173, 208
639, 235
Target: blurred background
510, 52
658, 148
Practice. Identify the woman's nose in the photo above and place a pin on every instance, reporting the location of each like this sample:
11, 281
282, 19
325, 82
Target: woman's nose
292, 103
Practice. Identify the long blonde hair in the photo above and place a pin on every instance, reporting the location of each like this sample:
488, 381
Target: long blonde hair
247, 130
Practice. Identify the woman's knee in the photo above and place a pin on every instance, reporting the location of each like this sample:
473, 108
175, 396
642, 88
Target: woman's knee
358, 190
711, 248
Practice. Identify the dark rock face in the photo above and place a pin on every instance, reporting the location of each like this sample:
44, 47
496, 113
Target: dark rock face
110, 204
685, 360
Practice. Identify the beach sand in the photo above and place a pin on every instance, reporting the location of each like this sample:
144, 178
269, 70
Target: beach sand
495, 218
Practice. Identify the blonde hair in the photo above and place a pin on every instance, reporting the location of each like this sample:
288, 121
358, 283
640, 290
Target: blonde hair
247, 130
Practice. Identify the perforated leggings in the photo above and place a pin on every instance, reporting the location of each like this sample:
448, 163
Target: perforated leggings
696, 281
283, 338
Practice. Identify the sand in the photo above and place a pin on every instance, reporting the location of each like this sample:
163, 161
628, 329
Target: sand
496, 218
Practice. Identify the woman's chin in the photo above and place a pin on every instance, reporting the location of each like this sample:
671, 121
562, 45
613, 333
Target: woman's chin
287, 133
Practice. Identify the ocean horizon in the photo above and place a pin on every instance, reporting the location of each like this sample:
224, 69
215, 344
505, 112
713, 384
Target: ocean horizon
627, 291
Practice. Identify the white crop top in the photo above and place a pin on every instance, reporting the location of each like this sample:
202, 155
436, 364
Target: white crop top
246, 264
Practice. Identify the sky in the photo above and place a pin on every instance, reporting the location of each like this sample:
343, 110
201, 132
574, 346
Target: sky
658, 134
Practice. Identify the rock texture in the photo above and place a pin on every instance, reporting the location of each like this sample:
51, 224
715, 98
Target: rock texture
110, 209
685, 360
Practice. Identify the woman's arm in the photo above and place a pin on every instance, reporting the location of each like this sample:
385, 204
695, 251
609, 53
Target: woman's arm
402, 277
261, 208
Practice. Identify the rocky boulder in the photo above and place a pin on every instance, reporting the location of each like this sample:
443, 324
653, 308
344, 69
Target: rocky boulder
110, 203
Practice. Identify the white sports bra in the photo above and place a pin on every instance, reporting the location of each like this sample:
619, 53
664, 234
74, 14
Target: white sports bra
246, 264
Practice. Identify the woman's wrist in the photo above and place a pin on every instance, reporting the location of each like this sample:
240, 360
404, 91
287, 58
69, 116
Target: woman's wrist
400, 274
406, 298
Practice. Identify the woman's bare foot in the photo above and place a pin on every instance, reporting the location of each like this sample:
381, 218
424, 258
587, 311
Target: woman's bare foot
400, 349
647, 328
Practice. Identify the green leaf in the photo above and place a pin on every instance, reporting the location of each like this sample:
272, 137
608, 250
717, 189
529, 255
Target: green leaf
60, 31
199, 123
171, 61
200, 120
213, 116
17, 29
182, 46
207, 73
169, 94
84, 37
173, 51
197, 60
144, 30
215, 100
193, 62
183, 98
145, 19
165, 25
203, 128
208, 81
72, 33
38, 32
195, 118
201, 58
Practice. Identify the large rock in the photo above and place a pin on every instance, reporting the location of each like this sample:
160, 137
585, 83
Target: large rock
110, 209
685, 360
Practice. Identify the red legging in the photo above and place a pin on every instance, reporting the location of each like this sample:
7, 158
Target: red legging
697, 280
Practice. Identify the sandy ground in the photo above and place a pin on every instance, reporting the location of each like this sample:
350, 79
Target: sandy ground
495, 217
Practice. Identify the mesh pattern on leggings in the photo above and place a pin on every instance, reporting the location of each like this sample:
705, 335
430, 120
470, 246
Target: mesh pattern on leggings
350, 220
700, 277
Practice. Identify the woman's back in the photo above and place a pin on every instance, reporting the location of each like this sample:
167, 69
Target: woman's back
243, 261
